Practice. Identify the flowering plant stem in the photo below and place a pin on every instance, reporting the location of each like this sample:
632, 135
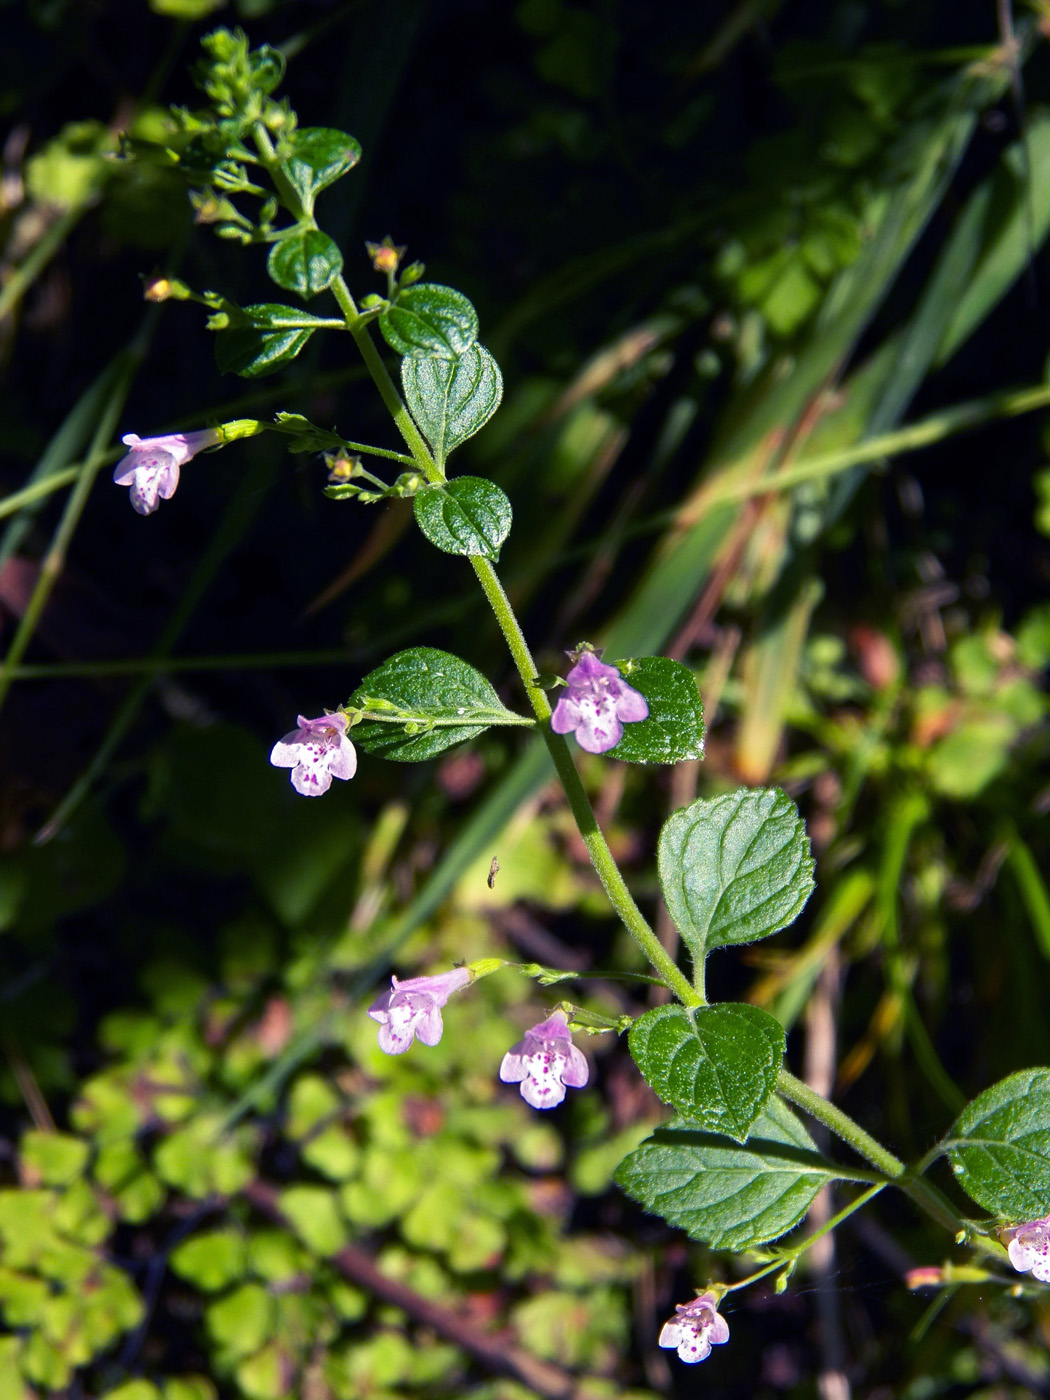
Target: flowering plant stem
357, 323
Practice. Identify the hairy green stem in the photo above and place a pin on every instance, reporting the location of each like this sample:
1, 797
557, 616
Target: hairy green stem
922, 1193
597, 847
790, 1254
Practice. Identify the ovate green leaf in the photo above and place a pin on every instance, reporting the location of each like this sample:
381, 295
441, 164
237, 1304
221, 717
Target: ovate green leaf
468, 515
735, 868
305, 261
434, 699
717, 1065
429, 319
674, 730
314, 157
274, 336
451, 399
1000, 1147
726, 1195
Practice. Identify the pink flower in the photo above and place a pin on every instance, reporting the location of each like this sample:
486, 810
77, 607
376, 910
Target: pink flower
316, 752
413, 1008
545, 1062
695, 1328
596, 704
151, 468
1029, 1248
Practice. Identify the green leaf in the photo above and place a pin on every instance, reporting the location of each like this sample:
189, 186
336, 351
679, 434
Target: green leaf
445, 698
314, 157
274, 336
305, 261
241, 1321
429, 319
728, 1196
212, 1260
999, 1146
53, 1158
313, 1213
467, 516
674, 730
451, 400
717, 1065
735, 868
133, 1390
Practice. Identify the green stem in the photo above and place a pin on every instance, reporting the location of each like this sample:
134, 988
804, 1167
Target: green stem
28, 494
27, 271
597, 848
54, 560
504, 717
789, 1255
840, 1124
387, 391
922, 1193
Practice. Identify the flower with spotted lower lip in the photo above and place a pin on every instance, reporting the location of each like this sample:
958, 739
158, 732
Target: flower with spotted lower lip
596, 705
151, 468
695, 1328
1029, 1248
316, 752
411, 1009
545, 1062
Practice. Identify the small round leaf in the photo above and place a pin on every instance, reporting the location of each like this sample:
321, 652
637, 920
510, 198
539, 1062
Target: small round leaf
674, 730
313, 157
305, 261
1000, 1147
429, 319
716, 1065
467, 516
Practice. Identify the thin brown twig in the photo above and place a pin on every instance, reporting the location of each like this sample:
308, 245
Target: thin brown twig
492, 1350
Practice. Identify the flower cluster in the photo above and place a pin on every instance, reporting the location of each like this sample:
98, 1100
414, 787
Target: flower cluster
596, 705
544, 1063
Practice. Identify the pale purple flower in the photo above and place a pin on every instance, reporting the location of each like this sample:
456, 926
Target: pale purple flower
316, 752
545, 1062
413, 1008
596, 704
1029, 1248
695, 1328
151, 468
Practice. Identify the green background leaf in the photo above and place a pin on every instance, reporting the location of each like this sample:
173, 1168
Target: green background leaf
305, 261
467, 516
1000, 1151
717, 1065
429, 319
728, 1196
735, 868
451, 400
429, 685
674, 730
314, 157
